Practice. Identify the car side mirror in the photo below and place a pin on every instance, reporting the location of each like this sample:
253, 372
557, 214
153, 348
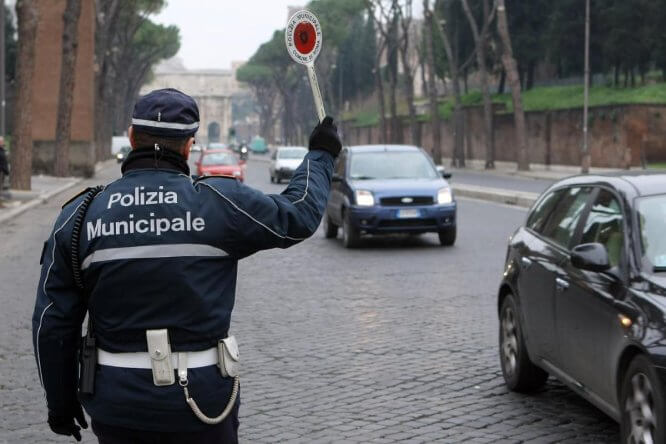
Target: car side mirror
337, 177
590, 257
442, 172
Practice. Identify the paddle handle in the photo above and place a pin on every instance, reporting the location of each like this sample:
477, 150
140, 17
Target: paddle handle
316, 92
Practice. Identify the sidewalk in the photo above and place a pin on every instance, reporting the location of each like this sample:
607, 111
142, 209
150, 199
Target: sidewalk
15, 202
505, 184
537, 170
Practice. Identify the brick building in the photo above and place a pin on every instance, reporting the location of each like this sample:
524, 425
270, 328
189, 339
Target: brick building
46, 85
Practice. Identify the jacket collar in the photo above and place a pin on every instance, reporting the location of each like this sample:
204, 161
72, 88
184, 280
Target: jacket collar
149, 158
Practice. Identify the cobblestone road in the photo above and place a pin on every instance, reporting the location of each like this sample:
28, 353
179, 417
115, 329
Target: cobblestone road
393, 342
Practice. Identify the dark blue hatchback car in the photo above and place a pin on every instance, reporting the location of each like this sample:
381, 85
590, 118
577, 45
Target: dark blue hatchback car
381, 189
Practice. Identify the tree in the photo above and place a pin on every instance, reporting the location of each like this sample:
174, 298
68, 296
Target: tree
480, 39
432, 86
290, 82
260, 81
11, 45
150, 44
408, 66
454, 69
106, 23
21, 153
511, 69
70, 42
387, 18
353, 74
116, 24
338, 20
627, 42
379, 78
344, 67
659, 19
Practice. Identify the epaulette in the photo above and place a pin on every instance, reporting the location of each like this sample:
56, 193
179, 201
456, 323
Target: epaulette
75, 197
221, 176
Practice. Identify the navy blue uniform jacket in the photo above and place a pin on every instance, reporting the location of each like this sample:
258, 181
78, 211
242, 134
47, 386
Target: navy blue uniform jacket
160, 250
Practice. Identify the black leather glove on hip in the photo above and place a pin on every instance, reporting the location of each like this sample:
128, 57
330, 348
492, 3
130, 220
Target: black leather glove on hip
63, 424
325, 137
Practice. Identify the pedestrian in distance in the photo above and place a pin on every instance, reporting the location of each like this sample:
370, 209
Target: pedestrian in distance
4, 165
152, 259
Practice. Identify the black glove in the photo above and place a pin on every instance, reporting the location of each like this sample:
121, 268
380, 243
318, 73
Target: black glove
63, 424
325, 137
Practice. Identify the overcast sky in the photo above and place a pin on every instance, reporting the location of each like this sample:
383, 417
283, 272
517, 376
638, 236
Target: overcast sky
216, 32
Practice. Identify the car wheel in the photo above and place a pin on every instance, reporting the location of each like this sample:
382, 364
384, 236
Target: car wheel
447, 237
330, 229
272, 179
642, 404
278, 180
351, 236
520, 374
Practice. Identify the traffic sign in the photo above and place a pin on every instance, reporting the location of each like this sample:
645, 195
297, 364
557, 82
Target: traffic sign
303, 40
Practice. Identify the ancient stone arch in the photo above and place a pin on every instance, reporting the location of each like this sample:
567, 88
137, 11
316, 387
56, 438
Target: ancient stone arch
212, 89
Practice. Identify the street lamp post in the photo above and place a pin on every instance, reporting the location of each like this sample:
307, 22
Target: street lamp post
2, 69
585, 164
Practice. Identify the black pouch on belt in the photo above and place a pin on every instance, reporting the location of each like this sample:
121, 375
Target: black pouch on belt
87, 362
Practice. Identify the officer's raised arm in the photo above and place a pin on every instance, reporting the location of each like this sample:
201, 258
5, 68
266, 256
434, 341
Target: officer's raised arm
266, 221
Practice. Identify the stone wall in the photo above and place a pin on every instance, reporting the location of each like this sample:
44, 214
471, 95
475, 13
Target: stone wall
618, 135
46, 85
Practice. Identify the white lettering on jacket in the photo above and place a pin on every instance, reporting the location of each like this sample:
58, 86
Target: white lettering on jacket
141, 197
151, 225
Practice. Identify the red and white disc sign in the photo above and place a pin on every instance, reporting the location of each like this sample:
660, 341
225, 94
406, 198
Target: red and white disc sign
303, 37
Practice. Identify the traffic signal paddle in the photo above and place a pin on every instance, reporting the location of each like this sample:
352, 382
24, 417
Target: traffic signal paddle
303, 39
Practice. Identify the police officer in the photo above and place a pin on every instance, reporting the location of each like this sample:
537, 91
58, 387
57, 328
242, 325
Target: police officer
154, 265
4, 166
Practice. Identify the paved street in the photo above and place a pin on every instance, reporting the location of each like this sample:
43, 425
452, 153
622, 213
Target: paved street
490, 179
396, 341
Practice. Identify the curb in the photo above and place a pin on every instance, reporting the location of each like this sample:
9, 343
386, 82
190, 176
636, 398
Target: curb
41, 199
497, 195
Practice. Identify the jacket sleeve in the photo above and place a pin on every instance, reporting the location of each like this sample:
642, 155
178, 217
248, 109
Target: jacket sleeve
263, 221
56, 322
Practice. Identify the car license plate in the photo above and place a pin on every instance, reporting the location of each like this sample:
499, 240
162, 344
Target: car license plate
408, 214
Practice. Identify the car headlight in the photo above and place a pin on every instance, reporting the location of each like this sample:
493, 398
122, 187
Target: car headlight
237, 173
364, 198
119, 156
444, 196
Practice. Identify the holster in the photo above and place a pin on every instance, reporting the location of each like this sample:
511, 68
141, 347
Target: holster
229, 357
159, 349
87, 362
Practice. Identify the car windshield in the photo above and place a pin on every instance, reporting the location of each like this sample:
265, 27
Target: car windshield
391, 165
219, 159
652, 219
292, 153
216, 146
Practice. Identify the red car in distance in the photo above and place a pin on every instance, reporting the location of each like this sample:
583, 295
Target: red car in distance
220, 163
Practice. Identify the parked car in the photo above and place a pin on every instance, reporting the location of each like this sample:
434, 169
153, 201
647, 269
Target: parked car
220, 163
380, 189
258, 145
284, 162
118, 142
122, 153
583, 298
